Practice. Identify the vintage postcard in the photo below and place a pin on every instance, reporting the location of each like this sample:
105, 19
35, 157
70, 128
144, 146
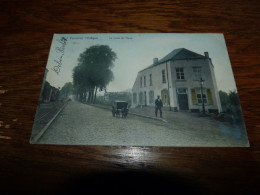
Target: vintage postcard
139, 90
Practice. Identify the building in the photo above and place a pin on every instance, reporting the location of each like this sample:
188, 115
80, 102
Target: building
176, 79
112, 96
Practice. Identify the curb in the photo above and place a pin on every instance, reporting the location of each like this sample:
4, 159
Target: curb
149, 117
37, 137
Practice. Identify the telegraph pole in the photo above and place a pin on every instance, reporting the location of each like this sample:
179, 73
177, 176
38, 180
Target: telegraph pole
168, 87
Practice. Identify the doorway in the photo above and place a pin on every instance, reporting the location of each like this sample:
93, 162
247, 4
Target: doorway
145, 99
183, 99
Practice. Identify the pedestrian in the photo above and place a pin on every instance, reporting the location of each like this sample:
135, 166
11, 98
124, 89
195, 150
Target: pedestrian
158, 106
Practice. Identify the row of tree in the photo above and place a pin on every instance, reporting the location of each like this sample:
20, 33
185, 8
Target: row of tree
66, 90
49, 93
93, 72
231, 105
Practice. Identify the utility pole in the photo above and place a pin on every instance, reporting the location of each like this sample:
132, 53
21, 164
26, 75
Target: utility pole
168, 87
201, 89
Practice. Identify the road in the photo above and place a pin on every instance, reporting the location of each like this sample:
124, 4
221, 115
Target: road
81, 124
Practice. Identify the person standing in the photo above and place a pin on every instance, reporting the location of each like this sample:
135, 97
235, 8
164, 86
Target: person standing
158, 106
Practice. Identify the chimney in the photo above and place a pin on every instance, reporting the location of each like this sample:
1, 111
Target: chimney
155, 60
206, 54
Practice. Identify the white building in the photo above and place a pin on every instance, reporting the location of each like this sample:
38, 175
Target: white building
176, 79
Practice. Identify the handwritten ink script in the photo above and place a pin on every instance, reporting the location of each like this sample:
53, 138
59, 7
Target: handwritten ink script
59, 50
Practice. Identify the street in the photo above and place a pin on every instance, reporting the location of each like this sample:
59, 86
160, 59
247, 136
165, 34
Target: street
82, 124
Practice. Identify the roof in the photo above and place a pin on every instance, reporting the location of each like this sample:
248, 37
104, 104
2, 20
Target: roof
177, 54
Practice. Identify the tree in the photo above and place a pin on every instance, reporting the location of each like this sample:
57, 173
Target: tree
233, 98
230, 103
93, 71
224, 99
66, 90
235, 106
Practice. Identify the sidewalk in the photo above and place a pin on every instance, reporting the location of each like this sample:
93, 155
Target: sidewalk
187, 120
45, 112
171, 116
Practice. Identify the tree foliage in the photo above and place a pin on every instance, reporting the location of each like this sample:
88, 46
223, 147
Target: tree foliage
66, 90
229, 99
233, 98
93, 71
224, 99
230, 104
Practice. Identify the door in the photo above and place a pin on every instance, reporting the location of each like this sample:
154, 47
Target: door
140, 98
183, 101
145, 99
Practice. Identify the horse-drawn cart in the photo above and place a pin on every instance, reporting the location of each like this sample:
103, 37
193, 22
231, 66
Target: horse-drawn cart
119, 108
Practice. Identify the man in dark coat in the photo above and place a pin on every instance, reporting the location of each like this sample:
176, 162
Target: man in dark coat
158, 106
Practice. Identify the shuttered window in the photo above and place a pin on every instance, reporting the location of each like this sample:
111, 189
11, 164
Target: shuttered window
165, 97
200, 96
194, 97
210, 101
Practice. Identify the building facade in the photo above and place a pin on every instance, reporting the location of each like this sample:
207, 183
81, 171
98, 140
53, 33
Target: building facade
176, 78
112, 96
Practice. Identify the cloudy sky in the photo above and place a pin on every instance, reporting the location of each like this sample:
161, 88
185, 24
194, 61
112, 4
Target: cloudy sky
134, 53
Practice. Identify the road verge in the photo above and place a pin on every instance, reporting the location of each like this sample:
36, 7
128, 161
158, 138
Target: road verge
34, 139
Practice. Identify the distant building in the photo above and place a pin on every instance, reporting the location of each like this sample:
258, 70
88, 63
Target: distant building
108, 96
176, 79
112, 96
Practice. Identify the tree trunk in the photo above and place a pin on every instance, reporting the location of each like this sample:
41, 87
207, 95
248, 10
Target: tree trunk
89, 96
84, 97
95, 95
92, 94
81, 94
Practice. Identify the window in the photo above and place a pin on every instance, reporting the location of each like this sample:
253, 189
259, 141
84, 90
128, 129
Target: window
199, 96
135, 98
163, 76
151, 97
194, 97
141, 82
197, 73
144, 81
140, 98
179, 73
151, 82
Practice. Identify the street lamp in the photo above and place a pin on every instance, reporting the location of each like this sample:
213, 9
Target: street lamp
203, 105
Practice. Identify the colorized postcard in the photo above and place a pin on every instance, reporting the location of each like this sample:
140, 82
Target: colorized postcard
152, 89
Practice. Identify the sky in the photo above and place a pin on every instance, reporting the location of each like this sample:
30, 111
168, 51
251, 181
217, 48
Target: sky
134, 53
